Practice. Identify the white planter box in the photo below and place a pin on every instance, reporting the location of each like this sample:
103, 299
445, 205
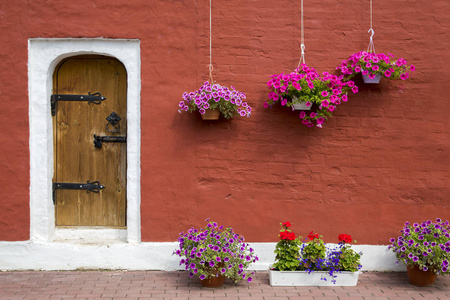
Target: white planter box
302, 278
376, 80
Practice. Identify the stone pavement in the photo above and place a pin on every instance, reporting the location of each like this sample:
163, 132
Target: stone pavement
177, 285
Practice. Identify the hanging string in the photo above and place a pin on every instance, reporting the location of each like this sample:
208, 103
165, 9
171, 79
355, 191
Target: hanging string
302, 57
210, 66
371, 47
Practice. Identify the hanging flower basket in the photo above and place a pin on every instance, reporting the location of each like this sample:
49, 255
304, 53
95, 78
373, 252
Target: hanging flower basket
304, 86
374, 66
225, 101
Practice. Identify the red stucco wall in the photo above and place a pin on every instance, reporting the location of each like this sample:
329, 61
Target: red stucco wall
381, 160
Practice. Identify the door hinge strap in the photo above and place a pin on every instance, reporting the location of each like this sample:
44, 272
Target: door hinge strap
90, 186
95, 98
98, 140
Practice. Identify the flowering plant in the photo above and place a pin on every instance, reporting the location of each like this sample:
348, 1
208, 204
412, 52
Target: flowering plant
372, 64
304, 85
317, 257
208, 252
426, 245
216, 97
287, 249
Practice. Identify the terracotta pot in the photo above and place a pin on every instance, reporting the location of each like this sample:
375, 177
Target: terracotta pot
211, 115
213, 282
418, 277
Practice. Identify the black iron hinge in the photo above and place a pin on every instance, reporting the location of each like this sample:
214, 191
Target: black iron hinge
95, 98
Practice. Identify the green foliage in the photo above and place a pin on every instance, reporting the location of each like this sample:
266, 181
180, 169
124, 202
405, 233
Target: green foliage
287, 255
314, 251
349, 259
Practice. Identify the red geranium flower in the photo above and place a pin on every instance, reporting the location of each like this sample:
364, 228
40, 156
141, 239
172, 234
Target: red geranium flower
286, 235
313, 235
345, 238
286, 224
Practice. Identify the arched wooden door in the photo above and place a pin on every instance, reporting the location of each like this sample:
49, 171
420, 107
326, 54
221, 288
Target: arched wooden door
89, 182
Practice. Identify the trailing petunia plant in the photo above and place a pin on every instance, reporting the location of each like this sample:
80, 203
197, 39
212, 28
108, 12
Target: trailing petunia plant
287, 249
426, 245
372, 64
215, 250
228, 101
321, 93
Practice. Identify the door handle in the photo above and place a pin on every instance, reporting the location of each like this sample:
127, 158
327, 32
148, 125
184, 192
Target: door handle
98, 140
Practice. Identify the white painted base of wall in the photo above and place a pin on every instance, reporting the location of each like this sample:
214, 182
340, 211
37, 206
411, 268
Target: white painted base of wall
144, 256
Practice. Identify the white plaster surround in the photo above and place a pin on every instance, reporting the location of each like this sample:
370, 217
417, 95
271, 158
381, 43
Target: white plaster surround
47, 249
43, 57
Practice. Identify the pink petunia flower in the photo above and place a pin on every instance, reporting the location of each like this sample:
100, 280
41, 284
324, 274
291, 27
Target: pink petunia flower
387, 73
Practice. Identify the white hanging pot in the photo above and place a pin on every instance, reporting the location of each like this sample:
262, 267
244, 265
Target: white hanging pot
375, 80
300, 106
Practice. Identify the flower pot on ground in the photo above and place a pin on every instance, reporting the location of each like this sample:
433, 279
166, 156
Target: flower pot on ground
213, 251
227, 101
419, 277
425, 246
306, 87
374, 66
214, 281
313, 263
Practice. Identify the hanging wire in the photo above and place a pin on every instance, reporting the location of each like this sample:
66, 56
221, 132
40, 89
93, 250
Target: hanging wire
210, 66
371, 47
302, 57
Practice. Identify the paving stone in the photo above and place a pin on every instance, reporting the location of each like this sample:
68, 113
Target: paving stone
176, 285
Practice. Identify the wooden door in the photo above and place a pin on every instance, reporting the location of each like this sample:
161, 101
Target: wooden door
77, 160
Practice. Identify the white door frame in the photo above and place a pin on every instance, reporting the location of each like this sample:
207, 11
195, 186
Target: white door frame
43, 57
